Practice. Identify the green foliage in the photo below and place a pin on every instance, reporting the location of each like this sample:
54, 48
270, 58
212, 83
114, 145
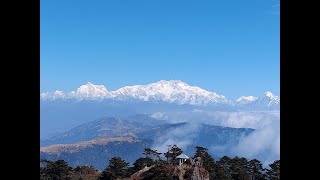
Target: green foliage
152, 154
239, 169
117, 168
208, 161
226, 168
223, 168
274, 172
256, 170
142, 162
54, 170
147, 152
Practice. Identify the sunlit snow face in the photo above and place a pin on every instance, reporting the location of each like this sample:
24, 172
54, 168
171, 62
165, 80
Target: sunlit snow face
172, 91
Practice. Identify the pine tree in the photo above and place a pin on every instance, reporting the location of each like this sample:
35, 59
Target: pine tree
223, 168
274, 172
256, 170
239, 168
147, 152
208, 161
55, 170
117, 168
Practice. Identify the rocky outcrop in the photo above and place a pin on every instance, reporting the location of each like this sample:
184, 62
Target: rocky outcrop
138, 174
192, 170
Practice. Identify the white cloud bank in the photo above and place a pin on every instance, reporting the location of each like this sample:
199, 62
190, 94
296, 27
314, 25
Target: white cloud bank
262, 144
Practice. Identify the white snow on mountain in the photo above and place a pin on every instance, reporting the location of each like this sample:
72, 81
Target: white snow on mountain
269, 99
53, 95
246, 99
266, 100
90, 91
171, 91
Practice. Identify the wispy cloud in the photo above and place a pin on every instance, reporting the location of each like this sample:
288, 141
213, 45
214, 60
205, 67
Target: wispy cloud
262, 144
243, 119
182, 136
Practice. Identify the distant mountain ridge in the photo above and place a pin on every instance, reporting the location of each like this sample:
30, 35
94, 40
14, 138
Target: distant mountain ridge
72, 148
171, 91
107, 127
128, 136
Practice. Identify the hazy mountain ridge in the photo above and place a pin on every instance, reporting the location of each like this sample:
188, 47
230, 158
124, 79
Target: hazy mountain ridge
132, 133
97, 154
107, 127
72, 148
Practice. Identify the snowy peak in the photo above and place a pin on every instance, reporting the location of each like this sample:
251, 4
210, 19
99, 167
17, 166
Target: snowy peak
269, 99
90, 91
271, 96
172, 91
268, 94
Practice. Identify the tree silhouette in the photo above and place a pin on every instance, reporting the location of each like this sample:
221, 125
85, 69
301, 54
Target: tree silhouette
208, 161
55, 170
226, 168
256, 170
274, 172
117, 168
239, 168
147, 152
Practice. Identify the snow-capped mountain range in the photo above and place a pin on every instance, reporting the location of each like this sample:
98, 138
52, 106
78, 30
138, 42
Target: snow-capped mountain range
172, 91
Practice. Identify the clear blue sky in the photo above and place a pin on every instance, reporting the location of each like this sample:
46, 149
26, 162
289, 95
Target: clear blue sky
230, 47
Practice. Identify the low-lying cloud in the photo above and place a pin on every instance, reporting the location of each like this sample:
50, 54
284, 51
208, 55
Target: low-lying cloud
262, 144
182, 136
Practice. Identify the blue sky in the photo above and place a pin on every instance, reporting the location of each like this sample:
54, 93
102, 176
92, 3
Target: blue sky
230, 47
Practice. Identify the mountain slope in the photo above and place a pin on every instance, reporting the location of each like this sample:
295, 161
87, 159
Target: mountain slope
96, 152
107, 127
127, 138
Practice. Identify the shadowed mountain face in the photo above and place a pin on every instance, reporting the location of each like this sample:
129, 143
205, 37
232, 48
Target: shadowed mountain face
95, 142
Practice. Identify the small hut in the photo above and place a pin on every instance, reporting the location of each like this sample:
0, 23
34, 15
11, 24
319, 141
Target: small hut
182, 158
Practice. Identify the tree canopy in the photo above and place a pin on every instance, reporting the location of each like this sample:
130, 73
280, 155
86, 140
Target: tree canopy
226, 168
